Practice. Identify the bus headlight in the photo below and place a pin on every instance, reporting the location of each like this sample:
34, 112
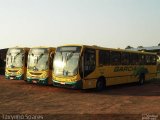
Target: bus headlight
19, 72
44, 75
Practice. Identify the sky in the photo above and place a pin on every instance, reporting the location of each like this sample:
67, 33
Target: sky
106, 23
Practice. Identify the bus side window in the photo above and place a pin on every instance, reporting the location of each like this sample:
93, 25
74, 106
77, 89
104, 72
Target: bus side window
148, 59
153, 60
115, 58
125, 58
134, 59
104, 57
142, 60
89, 61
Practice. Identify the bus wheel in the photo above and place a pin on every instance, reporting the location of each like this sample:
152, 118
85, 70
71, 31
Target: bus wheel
100, 85
141, 79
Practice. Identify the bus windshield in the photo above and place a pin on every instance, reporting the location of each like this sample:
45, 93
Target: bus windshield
38, 59
15, 58
66, 61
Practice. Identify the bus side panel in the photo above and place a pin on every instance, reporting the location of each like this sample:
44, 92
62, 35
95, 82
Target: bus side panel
115, 75
118, 74
89, 83
152, 72
50, 82
117, 80
25, 72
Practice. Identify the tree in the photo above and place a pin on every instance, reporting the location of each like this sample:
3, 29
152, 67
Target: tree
140, 47
129, 47
159, 44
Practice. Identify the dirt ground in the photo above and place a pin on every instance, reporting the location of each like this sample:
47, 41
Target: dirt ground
116, 102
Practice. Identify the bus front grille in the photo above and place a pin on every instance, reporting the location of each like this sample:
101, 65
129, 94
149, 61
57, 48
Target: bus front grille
33, 73
13, 70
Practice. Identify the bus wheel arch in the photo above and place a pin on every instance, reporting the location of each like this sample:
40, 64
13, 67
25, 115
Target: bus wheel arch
101, 83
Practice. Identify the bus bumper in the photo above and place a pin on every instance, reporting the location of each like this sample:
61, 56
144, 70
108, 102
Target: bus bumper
73, 85
18, 77
38, 81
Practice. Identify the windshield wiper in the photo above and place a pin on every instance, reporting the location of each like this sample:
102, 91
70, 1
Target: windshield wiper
16, 56
69, 56
40, 57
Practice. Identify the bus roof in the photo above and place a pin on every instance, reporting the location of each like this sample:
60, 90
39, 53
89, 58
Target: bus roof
42, 47
50, 48
112, 49
19, 47
53, 48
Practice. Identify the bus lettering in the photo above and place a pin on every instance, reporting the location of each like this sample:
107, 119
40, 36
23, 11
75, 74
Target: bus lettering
123, 69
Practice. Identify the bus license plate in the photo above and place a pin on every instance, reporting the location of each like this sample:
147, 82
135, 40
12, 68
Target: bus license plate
34, 81
11, 78
63, 83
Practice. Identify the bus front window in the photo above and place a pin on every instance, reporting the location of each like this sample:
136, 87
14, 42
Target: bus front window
66, 61
15, 58
38, 59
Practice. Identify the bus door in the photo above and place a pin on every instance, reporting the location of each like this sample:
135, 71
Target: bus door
89, 67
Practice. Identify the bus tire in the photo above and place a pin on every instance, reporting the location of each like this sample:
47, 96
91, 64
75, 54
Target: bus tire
141, 79
100, 85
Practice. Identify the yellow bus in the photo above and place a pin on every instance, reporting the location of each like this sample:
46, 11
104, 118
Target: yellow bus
16, 63
82, 66
39, 65
3, 53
